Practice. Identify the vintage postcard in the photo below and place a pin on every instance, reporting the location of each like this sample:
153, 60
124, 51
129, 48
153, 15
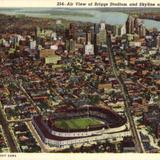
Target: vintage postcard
79, 77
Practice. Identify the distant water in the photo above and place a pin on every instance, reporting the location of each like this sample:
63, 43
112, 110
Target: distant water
152, 24
84, 15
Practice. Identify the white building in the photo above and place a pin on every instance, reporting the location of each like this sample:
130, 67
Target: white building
54, 47
5, 43
102, 26
89, 49
123, 30
32, 44
19, 38
135, 44
54, 36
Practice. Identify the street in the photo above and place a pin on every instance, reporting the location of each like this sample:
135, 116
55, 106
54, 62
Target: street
136, 137
7, 133
38, 139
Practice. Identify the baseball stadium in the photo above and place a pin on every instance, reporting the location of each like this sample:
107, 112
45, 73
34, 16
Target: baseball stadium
67, 127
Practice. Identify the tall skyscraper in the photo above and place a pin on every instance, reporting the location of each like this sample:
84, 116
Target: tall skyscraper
158, 41
119, 30
130, 25
102, 26
136, 24
141, 30
88, 37
122, 30
101, 36
38, 32
73, 31
95, 39
70, 45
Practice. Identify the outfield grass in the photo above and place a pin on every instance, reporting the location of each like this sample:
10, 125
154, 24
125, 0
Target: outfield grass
77, 123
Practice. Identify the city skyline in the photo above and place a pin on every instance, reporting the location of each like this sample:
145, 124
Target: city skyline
73, 86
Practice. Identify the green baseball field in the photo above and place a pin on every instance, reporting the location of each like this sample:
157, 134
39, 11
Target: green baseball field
77, 123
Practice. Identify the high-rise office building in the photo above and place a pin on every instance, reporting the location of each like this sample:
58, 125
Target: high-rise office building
95, 39
70, 45
88, 37
101, 36
130, 25
158, 41
73, 31
136, 25
119, 30
141, 30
